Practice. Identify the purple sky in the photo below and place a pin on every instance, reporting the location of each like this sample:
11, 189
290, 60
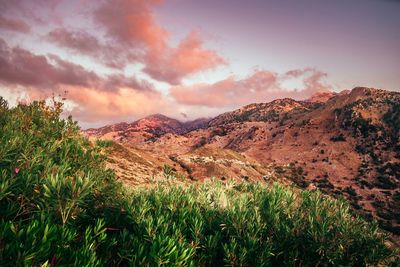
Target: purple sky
119, 60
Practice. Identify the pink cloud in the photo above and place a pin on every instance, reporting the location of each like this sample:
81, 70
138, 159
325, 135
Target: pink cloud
14, 25
106, 106
131, 22
95, 98
261, 86
173, 64
126, 32
133, 36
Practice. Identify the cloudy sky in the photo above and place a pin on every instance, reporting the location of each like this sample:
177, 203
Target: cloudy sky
120, 60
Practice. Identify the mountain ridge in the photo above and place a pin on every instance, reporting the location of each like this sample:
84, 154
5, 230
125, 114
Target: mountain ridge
347, 146
157, 124
318, 97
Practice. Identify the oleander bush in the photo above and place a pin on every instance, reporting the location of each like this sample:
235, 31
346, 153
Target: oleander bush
60, 206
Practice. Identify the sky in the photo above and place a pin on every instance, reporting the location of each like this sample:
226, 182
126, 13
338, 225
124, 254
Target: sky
121, 60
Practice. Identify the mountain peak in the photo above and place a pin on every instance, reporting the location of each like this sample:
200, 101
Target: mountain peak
158, 116
321, 97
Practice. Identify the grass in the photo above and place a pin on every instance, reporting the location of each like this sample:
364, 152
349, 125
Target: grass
60, 206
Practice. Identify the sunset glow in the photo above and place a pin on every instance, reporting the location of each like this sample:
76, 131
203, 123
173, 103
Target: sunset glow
119, 60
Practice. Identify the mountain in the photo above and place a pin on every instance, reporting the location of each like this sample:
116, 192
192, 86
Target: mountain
322, 97
153, 126
263, 112
346, 145
157, 124
200, 123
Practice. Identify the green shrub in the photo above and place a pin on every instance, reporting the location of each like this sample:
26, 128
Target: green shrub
104, 143
59, 206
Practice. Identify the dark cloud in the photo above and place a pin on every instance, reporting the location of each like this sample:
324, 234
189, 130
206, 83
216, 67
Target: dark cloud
112, 55
21, 67
94, 98
28, 10
78, 40
126, 33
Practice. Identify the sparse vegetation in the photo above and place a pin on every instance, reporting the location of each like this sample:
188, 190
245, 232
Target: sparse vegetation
183, 165
169, 172
350, 190
297, 175
392, 118
338, 138
60, 206
201, 142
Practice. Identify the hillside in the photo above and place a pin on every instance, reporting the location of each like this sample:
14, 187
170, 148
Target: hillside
345, 144
265, 112
61, 206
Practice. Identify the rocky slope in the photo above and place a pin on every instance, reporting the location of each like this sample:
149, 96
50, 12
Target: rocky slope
264, 112
345, 144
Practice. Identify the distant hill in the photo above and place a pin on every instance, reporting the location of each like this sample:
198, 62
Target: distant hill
156, 124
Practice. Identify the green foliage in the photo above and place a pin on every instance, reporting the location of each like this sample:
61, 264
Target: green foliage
50, 176
168, 172
104, 143
65, 195
60, 206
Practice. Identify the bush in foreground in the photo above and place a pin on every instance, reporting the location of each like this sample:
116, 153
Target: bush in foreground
60, 206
